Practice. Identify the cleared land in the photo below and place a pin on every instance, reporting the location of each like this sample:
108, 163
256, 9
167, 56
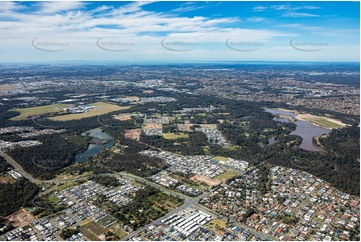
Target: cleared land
152, 126
328, 123
174, 136
100, 109
21, 218
106, 221
130, 98
6, 178
93, 231
122, 117
185, 127
133, 134
6, 87
208, 126
206, 180
40, 110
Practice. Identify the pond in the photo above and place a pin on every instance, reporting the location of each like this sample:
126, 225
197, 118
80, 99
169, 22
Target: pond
306, 130
100, 141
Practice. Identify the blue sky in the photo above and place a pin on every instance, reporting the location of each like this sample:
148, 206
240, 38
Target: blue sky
179, 31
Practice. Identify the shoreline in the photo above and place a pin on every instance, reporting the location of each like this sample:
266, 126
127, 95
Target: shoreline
301, 117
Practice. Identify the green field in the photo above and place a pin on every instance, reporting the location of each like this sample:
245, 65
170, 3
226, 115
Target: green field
54, 200
324, 122
120, 233
216, 224
220, 158
40, 110
226, 175
100, 109
175, 136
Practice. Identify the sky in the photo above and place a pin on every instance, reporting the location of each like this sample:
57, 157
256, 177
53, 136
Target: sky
131, 32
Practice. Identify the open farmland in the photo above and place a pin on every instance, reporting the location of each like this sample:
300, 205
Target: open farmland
100, 109
40, 110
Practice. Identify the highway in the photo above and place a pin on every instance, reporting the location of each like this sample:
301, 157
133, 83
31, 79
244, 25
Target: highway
19, 168
28, 176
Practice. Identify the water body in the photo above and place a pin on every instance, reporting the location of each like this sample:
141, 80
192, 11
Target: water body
306, 130
100, 140
280, 112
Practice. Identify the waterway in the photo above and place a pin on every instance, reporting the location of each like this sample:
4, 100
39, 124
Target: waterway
100, 141
306, 130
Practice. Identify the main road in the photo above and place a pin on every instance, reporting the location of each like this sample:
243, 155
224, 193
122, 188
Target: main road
19, 168
28, 176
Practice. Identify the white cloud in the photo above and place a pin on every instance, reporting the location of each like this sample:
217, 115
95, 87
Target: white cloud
300, 26
82, 27
189, 6
259, 8
255, 19
55, 7
289, 7
300, 15
9, 6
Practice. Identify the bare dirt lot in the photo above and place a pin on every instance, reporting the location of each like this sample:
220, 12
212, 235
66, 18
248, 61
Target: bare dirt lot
133, 134
21, 218
185, 127
205, 180
152, 126
6, 179
6, 87
209, 126
122, 117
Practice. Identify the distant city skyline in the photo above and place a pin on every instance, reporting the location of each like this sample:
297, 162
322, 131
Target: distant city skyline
154, 32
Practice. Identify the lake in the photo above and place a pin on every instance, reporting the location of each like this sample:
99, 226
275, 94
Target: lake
100, 140
306, 130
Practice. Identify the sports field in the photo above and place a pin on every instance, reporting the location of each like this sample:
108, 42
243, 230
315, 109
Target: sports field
220, 158
175, 136
27, 112
226, 175
100, 109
